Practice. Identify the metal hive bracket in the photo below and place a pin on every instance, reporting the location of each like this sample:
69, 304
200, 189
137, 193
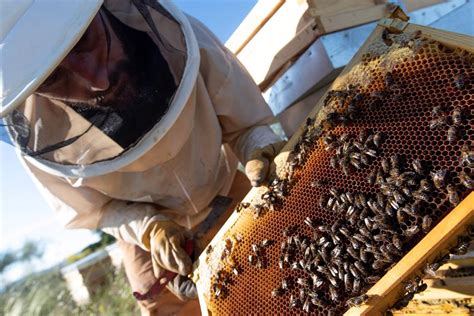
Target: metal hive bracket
396, 22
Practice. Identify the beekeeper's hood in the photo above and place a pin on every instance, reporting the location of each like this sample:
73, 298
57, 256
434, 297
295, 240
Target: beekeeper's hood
36, 35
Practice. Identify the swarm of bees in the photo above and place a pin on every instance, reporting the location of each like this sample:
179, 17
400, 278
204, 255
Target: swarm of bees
350, 153
258, 257
452, 121
229, 267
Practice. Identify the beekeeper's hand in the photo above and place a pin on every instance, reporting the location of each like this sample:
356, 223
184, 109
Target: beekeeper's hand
165, 239
257, 167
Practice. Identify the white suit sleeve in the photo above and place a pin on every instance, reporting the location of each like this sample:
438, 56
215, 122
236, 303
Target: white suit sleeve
82, 207
243, 113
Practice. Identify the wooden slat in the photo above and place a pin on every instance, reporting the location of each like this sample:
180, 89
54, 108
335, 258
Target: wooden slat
449, 38
443, 236
294, 48
323, 7
285, 24
412, 5
253, 22
339, 21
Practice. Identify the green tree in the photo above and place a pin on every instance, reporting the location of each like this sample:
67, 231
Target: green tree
29, 251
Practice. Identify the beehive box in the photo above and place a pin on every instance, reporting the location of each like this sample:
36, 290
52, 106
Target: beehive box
385, 156
298, 23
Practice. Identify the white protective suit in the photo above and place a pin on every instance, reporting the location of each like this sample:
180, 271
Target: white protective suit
179, 166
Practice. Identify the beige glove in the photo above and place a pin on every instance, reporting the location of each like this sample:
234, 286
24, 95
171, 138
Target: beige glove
165, 239
257, 167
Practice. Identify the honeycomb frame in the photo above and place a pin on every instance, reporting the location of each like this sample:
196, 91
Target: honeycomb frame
240, 222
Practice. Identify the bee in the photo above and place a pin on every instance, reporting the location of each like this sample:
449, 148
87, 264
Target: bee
460, 81
362, 135
319, 183
334, 294
416, 285
452, 134
348, 282
457, 116
256, 249
294, 302
235, 270
217, 288
356, 163
438, 122
303, 293
378, 264
389, 79
353, 253
386, 38
372, 176
378, 138
295, 265
333, 281
466, 180
307, 304
425, 186
467, 155
317, 280
253, 259
437, 110
385, 165
380, 237
403, 302
308, 221
354, 271
358, 300
286, 283
360, 267
462, 246
371, 152
356, 286
290, 230
336, 252
430, 269
418, 167
266, 243
395, 161
411, 231
261, 263
397, 242
208, 249
241, 206
452, 194
439, 178
398, 197
333, 162
277, 292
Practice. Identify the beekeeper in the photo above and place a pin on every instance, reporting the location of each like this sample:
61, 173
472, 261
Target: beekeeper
131, 117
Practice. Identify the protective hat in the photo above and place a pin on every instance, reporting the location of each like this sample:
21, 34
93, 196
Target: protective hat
35, 36
55, 138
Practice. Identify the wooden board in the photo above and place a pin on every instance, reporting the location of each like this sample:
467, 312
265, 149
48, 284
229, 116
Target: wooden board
412, 5
253, 22
324, 7
338, 21
285, 24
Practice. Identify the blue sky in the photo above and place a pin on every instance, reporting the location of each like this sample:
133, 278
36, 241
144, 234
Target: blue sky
24, 215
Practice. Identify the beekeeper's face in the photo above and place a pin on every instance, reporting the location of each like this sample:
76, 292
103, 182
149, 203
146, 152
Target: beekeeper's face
98, 71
